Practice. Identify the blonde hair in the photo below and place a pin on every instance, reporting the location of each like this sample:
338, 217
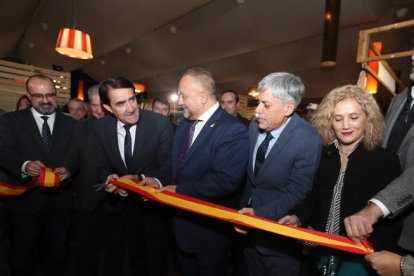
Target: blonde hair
374, 128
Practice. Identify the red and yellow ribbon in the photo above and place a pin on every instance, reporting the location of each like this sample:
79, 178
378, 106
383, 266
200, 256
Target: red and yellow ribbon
47, 179
7, 190
230, 215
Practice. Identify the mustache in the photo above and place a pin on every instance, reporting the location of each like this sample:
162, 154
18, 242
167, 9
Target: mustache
45, 104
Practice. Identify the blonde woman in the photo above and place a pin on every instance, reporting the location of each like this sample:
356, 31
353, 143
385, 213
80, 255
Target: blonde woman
353, 168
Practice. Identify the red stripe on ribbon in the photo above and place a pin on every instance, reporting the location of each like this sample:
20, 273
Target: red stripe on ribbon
365, 249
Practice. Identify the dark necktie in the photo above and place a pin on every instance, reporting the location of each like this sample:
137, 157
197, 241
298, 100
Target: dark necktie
261, 152
401, 126
46, 135
128, 147
187, 142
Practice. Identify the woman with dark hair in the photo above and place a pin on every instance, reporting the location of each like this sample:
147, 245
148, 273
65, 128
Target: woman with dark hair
23, 102
352, 169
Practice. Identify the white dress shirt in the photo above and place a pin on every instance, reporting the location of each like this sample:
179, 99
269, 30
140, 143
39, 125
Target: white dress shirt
121, 138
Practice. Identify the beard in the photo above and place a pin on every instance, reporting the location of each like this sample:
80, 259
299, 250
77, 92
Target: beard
45, 108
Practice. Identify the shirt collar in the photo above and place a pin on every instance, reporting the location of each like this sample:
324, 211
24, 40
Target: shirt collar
207, 115
276, 132
38, 115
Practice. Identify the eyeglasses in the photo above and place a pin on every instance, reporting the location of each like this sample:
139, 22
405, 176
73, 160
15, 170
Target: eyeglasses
42, 96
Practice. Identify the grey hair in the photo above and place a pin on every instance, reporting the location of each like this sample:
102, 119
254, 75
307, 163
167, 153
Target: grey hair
93, 90
285, 86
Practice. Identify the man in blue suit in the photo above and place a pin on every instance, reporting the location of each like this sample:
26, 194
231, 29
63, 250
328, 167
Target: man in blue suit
283, 159
209, 157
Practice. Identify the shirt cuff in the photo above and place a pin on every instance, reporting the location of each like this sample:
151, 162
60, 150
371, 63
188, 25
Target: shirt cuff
385, 211
159, 182
23, 171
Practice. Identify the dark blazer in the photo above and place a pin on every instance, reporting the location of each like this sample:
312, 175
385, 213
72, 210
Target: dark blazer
152, 150
212, 170
367, 173
398, 196
23, 143
85, 196
284, 179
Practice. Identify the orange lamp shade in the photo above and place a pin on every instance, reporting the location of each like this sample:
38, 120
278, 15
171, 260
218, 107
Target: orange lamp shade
74, 43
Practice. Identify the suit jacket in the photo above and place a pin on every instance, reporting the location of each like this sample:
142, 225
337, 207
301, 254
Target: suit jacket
85, 196
398, 196
367, 173
212, 170
152, 150
23, 143
284, 179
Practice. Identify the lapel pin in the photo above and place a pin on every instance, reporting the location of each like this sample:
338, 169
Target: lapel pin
212, 125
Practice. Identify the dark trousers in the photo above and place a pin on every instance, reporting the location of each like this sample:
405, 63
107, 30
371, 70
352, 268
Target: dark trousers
3, 243
214, 263
258, 264
39, 239
146, 230
98, 243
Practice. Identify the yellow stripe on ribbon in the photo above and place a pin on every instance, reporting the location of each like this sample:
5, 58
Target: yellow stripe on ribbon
47, 178
7, 190
230, 215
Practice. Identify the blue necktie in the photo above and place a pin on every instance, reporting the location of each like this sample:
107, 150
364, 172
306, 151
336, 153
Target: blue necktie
261, 152
46, 135
128, 147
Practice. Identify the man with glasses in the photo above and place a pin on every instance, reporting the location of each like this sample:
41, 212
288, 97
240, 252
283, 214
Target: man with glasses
39, 219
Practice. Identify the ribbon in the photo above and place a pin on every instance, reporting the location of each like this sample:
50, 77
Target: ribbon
8, 190
47, 179
223, 213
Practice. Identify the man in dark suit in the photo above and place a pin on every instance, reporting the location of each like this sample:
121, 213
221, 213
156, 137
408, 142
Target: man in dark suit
398, 197
162, 106
229, 101
94, 228
38, 137
208, 161
134, 143
283, 159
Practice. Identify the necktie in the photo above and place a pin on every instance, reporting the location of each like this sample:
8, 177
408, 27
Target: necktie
407, 106
401, 126
261, 152
128, 147
187, 142
46, 135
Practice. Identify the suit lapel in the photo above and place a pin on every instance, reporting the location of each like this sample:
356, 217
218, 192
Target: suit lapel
112, 134
140, 137
57, 131
31, 126
283, 139
205, 132
393, 116
253, 135
407, 138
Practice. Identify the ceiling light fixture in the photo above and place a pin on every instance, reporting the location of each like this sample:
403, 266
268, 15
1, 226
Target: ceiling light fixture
330, 32
74, 43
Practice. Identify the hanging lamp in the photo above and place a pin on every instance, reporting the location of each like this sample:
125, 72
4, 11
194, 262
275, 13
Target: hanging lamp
74, 43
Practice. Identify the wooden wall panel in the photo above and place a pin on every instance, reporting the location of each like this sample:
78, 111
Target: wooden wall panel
13, 76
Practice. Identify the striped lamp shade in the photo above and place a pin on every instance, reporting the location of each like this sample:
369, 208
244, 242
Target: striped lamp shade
74, 43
